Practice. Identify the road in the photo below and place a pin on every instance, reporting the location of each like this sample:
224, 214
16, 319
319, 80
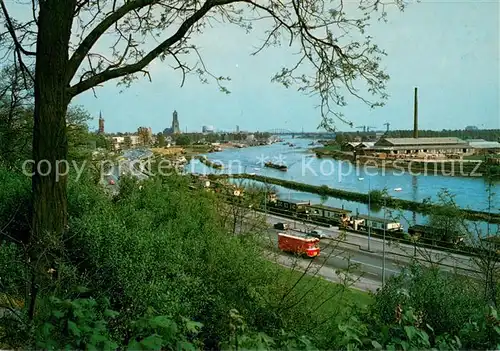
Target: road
343, 249
127, 165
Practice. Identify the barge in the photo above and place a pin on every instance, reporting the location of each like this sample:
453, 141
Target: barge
276, 166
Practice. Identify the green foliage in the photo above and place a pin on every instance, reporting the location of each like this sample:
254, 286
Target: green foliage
14, 205
446, 219
127, 141
444, 301
243, 338
160, 140
154, 332
159, 248
376, 197
408, 331
75, 324
182, 139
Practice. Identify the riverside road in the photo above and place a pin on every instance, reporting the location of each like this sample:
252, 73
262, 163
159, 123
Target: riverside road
343, 249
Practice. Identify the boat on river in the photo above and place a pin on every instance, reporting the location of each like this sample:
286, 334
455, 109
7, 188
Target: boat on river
276, 166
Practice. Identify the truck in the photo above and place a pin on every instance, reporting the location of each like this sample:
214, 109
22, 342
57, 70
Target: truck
304, 246
281, 226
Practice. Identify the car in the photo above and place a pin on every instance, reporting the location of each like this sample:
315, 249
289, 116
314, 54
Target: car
281, 226
317, 234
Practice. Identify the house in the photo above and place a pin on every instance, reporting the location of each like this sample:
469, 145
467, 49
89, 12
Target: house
349, 146
445, 146
119, 141
357, 145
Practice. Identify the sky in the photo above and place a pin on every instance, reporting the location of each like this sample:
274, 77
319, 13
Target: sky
448, 49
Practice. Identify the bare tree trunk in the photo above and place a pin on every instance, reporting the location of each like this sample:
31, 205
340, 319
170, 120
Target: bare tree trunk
49, 216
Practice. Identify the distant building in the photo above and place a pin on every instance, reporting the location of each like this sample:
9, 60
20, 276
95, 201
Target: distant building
174, 129
207, 129
481, 146
118, 142
469, 128
356, 145
101, 123
237, 129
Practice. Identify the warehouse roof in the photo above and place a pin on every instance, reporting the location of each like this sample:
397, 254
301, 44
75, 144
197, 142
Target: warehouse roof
483, 144
425, 147
420, 141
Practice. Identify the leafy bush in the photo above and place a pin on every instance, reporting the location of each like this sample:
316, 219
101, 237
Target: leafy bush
444, 301
376, 197
15, 196
157, 247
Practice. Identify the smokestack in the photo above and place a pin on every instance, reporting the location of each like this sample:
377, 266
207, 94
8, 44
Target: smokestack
415, 115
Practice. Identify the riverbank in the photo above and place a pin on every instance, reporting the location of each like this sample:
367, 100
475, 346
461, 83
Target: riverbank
208, 163
394, 203
455, 168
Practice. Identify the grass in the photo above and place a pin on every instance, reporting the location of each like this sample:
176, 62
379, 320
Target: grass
333, 297
332, 147
320, 305
479, 157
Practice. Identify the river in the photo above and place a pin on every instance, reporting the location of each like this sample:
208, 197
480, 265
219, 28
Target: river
304, 167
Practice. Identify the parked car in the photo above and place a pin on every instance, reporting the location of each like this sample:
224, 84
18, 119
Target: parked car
281, 226
317, 234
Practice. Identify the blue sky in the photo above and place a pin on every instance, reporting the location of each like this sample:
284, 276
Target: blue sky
449, 49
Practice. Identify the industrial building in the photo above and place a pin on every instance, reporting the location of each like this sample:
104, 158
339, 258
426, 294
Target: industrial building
422, 146
207, 129
439, 147
481, 146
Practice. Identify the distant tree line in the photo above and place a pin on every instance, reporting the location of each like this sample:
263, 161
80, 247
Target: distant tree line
486, 134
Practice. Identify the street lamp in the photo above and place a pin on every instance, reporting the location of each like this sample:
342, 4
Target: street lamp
383, 244
369, 211
369, 207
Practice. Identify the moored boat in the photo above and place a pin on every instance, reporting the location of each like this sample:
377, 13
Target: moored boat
276, 166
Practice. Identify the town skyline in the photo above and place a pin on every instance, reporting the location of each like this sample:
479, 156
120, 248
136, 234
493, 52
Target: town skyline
458, 83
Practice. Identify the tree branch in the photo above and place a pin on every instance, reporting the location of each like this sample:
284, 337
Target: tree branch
12, 31
157, 51
83, 49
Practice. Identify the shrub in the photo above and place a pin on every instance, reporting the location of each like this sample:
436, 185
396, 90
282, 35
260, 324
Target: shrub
445, 301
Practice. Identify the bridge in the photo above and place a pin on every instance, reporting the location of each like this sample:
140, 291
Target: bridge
302, 134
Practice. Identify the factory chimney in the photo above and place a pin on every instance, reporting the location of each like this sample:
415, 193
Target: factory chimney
415, 115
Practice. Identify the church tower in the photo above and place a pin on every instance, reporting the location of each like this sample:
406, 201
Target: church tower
175, 123
101, 123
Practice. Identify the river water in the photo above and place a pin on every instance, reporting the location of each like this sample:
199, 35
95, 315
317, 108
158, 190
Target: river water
304, 167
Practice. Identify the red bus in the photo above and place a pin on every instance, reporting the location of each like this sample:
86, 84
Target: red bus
299, 245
